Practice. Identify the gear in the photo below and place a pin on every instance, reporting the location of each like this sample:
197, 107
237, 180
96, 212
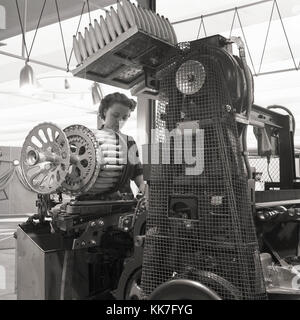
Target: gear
85, 160
74, 161
45, 158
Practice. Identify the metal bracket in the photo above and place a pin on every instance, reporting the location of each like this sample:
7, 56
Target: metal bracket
126, 222
91, 236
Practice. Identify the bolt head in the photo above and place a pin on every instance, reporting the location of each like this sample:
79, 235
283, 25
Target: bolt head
138, 241
228, 108
188, 224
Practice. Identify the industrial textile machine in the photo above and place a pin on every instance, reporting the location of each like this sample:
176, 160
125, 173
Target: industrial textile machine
208, 234
78, 247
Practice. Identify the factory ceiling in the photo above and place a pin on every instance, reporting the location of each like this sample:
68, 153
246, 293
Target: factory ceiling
67, 9
19, 113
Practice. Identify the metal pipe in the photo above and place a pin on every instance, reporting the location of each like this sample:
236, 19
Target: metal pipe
275, 71
248, 76
32, 61
222, 11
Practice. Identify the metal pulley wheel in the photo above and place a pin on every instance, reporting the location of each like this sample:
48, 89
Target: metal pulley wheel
45, 158
85, 160
190, 77
74, 161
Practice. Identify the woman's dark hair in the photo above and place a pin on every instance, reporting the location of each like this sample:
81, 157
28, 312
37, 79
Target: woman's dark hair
112, 98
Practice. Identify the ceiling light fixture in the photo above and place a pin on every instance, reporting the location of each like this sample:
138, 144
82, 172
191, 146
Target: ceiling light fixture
97, 94
27, 79
67, 84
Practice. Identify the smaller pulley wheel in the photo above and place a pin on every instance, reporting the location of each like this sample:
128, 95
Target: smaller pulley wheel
85, 156
45, 158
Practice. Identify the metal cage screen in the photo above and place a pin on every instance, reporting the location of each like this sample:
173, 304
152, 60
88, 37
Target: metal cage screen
219, 247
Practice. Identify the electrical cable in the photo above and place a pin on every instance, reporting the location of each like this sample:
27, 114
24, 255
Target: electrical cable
245, 151
232, 24
36, 29
62, 35
28, 53
238, 41
246, 44
285, 34
200, 26
83, 6
266, 39
275, 106
22, 29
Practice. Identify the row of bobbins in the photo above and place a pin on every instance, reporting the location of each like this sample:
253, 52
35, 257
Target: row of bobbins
117, 22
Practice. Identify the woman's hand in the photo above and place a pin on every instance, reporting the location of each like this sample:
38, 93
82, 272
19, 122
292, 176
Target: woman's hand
143, 197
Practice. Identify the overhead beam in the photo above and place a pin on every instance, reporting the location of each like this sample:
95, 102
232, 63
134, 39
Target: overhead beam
221, 11
68, 9
32, 61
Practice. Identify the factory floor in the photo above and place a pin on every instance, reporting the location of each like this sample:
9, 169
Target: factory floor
8, 226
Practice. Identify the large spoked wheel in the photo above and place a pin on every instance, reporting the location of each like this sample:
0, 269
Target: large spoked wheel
45, 158
183, 289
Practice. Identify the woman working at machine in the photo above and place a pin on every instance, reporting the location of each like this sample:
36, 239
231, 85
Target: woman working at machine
114, 111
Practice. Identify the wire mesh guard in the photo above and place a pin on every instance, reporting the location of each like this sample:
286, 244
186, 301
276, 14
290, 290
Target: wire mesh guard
200, 227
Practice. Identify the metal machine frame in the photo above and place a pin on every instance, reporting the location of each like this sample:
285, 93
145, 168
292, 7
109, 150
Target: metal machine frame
95, 218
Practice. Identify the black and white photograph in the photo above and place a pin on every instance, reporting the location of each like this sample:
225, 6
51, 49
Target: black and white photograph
149, 152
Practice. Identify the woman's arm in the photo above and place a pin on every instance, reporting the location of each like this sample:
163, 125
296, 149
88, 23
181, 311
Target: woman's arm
140, 183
